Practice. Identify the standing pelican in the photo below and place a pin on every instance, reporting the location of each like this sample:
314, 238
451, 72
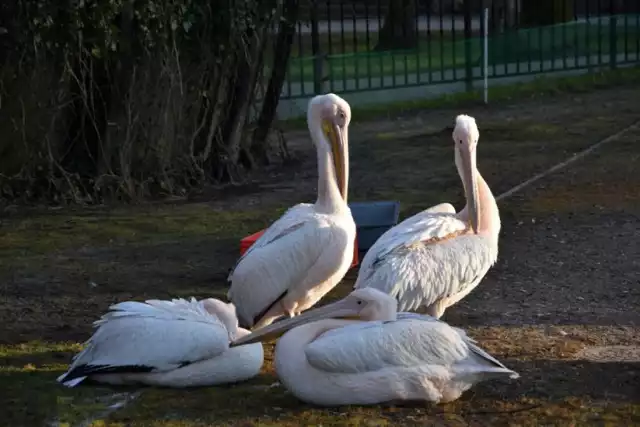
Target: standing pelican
305, 253
436, 257
176, 343
387, 357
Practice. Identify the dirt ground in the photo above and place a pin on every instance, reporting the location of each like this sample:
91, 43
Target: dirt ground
560, 307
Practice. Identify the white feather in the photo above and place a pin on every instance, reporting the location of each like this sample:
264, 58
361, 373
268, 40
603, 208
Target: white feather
378, 345
412, 358
176, 309
297, 254
305, 253
405, 264
160, 335
432, 258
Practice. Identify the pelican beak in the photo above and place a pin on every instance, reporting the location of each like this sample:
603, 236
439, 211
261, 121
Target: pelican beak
341, 309
468, 157
338, 140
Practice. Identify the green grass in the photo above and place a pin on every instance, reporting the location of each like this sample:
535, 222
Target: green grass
352, 57
31, 397
358, 42
29, 394
46, 307
541, 87
37, 234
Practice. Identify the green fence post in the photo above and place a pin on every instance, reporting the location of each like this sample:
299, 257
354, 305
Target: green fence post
468, 66
613, 37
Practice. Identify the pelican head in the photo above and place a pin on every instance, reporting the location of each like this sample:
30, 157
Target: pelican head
363, 304
226, 313
328, 117
465, 138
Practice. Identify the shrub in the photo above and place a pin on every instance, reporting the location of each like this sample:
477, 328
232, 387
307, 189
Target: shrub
126, 99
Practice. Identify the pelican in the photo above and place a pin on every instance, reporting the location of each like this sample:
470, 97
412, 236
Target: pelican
384, 357
436, 257
305, 253
177, 343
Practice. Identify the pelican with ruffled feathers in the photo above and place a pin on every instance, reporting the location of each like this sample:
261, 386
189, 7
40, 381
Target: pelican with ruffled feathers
384, 356
436, 257
307, 251
177, 343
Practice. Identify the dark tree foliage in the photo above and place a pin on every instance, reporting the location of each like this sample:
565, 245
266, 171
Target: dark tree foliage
127, 99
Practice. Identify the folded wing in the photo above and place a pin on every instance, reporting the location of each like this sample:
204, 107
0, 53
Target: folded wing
290, 253
371, 346
426, 258
422, 227
153, 336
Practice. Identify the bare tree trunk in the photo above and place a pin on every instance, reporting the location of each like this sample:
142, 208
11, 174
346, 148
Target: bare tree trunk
512, 13
505, 14
240, 96
254, 64
8, 30
399, 29
122, 75
88, 114
537, 13
281, 56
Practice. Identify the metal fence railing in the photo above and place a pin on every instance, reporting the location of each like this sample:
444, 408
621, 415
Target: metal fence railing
347, 46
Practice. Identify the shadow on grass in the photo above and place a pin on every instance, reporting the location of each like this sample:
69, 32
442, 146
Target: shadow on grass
547, 390
30, 396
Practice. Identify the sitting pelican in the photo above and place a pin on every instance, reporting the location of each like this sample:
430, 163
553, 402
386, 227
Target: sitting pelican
385, 357
436, 257
305, 253
175, 343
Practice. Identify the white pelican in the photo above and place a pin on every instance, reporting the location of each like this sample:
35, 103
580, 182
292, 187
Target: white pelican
436, 257
388, 357
305, 253
175, 343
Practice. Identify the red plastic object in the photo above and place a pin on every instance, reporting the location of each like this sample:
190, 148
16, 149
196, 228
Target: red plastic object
246, 243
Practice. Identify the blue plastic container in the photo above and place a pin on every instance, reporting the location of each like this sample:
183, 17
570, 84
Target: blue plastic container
372, 220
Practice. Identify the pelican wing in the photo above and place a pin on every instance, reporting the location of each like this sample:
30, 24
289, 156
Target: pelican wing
298, 250
292, 219
422, 227
418, 263
427, 318
471, 343
153, 336
407, 342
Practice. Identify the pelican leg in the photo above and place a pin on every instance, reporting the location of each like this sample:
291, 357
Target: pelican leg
450, 394
290, 311
279, 309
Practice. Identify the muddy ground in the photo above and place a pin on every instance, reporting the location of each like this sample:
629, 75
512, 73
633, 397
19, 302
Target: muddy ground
567, 281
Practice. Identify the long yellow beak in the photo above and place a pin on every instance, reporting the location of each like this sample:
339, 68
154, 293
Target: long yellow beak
470, 183
338, 309
338, 142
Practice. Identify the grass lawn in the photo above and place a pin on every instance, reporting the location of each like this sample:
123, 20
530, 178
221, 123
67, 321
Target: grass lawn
542, 87
351, 55
60, 269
